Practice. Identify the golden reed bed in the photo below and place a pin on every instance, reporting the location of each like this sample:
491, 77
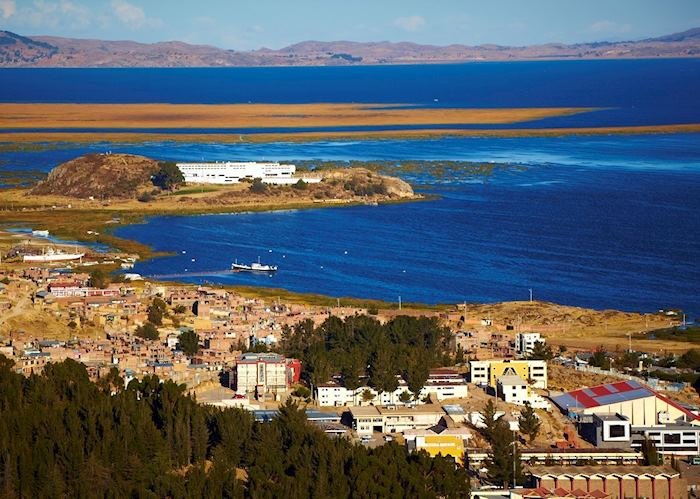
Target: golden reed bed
134, 137
184, 116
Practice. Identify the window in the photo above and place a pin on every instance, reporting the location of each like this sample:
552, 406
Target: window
616, 430
672, 438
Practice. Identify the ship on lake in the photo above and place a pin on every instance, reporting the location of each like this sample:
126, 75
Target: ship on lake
253, 267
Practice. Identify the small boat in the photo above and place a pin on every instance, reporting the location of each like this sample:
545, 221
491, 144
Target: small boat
253, 267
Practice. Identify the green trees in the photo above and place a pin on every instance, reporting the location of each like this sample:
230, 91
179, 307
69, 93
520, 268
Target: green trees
156, 311
365, 351
650, 453
63, 435
600, 358
147, 331
405, 397
459, 355
541, 351
503, 461
529, 423
99, 279
488, 417
168, 176
189, 343
301, 185
258, 186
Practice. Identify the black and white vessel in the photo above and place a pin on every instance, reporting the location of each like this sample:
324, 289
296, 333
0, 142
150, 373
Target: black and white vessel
253, 267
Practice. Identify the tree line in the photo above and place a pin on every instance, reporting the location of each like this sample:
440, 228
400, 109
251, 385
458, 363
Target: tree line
65, 436
363, 350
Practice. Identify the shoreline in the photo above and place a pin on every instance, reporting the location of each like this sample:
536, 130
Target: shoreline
414, 134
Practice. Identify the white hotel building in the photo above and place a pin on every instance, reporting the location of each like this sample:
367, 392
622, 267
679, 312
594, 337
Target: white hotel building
231, 172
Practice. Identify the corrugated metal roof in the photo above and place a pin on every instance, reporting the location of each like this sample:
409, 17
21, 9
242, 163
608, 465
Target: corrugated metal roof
612, 393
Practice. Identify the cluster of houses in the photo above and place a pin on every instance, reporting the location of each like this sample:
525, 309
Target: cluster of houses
614, 419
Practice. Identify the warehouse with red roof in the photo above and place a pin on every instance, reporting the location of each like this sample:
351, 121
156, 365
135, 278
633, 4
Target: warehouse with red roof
639, 403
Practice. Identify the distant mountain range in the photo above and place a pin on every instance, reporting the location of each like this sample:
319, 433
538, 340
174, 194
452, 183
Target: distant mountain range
49, 51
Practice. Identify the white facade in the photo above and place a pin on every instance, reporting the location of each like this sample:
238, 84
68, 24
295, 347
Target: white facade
366, 420
485, 372
442, 384
230, 172
261, 373
525, 342
515, 390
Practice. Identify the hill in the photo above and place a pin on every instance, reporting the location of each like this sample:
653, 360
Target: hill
45, 51
101, 176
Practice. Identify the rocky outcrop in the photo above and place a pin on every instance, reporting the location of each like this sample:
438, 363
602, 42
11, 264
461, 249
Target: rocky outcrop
101, 176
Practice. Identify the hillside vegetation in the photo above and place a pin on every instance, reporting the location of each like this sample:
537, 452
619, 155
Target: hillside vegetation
64, 436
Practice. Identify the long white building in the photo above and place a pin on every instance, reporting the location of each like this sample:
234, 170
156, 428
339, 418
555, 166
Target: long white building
442, 383
231, 172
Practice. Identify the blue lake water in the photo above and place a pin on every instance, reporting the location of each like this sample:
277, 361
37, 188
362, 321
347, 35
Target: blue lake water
636, 92
605, 222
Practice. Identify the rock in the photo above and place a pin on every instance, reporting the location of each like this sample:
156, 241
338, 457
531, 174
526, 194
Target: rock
101, 176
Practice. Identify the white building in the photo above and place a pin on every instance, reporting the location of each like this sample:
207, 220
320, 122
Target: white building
486, 372
525, 342
230, 172
515, 390
261, 373
392, 419
442, 384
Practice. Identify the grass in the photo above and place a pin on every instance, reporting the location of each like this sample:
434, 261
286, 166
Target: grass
16, 140
195, 190
690, 334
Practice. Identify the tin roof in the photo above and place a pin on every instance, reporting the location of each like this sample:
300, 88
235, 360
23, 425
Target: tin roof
596, 396
612, 393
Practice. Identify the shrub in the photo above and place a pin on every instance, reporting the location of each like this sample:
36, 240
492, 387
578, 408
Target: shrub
258, 187
145, 197
301, 185
148, 331
168, 176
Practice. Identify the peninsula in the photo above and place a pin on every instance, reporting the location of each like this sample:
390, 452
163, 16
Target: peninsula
85, 197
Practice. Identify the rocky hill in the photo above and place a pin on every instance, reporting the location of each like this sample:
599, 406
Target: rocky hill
44, 51
16, 50
101, 176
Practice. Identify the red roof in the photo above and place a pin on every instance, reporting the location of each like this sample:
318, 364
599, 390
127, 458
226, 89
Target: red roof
622, 391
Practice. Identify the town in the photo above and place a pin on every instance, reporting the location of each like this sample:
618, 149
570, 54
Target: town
524, 417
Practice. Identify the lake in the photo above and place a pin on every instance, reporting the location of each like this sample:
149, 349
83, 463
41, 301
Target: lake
604, 222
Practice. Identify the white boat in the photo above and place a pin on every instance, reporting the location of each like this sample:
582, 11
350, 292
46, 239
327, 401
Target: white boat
40, 233
253, 267
52, 255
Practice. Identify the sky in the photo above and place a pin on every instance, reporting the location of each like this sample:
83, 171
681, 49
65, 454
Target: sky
252, 24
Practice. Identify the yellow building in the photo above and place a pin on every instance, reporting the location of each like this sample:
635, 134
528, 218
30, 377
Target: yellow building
439, 440
487, 372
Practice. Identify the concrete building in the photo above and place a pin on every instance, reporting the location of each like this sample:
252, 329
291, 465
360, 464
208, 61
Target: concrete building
640, 404
515, 390
615, 430
607, 431
393, 419
626, 413
525, 342
654, 482
486, 372
262, 373
231, 172
439, 440
441, 383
